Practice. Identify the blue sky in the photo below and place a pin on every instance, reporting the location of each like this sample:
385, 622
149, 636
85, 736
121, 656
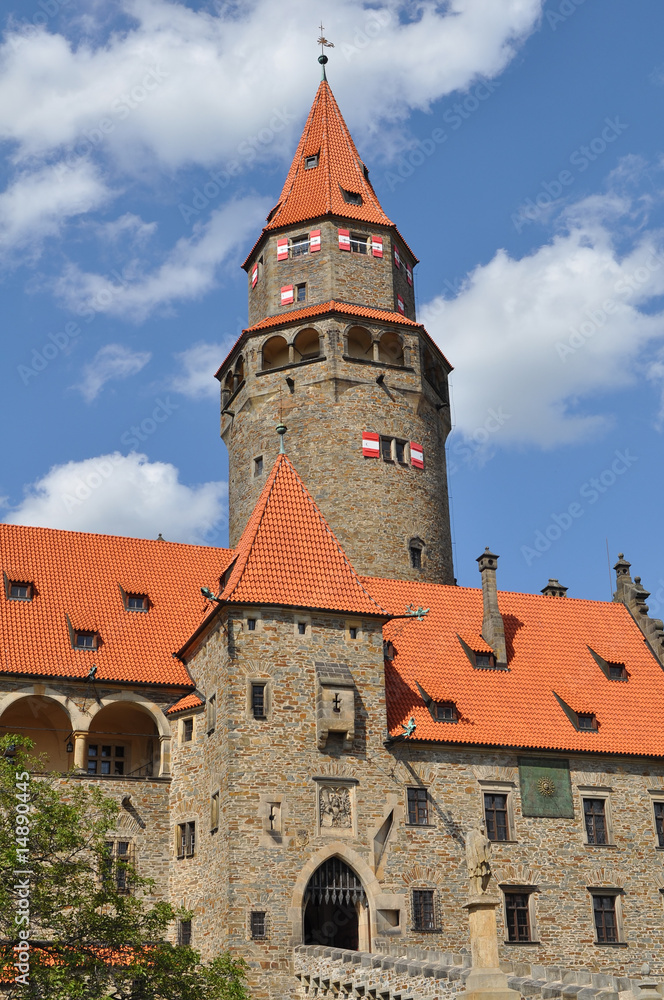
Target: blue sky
517, 145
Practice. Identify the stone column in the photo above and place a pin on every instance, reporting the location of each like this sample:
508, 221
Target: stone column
486, 980
164, 756
79, 750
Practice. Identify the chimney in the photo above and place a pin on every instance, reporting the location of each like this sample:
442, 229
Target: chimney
634, 595
493, 630
554, 589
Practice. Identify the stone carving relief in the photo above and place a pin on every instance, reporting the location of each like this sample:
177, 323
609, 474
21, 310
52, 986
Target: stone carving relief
335, 809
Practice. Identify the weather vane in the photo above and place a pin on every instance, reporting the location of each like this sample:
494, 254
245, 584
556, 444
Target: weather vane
323, 42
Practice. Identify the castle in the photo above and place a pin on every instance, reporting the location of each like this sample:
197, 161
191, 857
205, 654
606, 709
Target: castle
299, 750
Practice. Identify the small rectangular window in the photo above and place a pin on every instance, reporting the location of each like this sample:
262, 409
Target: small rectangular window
184, 933
251, 624
20, 591
301, 292
617, 672
386, 449
258, 925
211, 713
299, 245
400, 451
106, 759
186, 839
424, 918
258, 466
604, 912
444, 711
214, 812
587, 721
310, 162
137, 602
418, 806
517, 912
85, 640
258, 700
301, 628
358, 243
595, 819
352, 632
187, 730
659, 822
415, 556
484, 660
495, 815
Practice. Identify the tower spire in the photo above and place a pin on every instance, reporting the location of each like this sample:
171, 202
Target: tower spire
322, 59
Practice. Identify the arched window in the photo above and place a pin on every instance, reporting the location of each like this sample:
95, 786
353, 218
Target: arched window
275, 353
307, 344
239, 371
360, 343
390, 349
415, 548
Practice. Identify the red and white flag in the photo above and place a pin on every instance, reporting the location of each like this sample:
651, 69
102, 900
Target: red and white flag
282, 249
377, 246
370, 444
416, 455
286, 295
314, 240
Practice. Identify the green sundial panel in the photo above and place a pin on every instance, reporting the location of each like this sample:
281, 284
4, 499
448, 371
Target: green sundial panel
546, 789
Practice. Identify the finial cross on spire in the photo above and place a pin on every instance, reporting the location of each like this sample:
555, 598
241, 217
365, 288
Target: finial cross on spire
323, 42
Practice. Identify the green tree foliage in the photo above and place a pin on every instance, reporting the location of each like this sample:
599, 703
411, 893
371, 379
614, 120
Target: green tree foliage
88, 938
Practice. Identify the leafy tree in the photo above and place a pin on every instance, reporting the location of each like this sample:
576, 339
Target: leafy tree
86, 938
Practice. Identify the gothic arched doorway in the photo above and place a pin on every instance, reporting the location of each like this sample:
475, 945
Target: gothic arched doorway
336, 913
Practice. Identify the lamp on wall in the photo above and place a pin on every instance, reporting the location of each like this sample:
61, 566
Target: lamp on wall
70, 745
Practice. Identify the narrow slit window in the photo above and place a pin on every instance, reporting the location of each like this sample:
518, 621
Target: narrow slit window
187, 730
258, 701
301, 292
258, 466
416, 557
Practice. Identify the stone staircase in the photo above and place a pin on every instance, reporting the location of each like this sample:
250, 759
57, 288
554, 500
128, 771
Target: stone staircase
420, 974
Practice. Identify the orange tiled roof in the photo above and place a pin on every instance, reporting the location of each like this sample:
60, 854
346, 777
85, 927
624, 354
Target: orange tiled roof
547, 640
79, 575
289, 555
307, 194
344, 308
189, 701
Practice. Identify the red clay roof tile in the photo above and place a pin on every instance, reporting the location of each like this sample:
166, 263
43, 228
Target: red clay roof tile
547, 640
288, 554
77, 575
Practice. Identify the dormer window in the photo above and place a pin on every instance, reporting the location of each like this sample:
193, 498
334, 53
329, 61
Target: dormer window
485, 660
444, 711
587, 722
85, 640
617, 672
310, 162
19, 591
351, 197
137, 602
612, 669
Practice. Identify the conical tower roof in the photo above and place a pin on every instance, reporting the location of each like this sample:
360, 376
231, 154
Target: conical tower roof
310, 190
289, 555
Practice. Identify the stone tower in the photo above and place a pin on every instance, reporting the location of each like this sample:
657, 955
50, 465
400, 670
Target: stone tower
334, 351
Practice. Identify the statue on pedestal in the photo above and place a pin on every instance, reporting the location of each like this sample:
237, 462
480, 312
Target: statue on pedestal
478, 860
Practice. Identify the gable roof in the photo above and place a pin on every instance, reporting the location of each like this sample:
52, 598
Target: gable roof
547, 640
77, 579
307, 194
289, 555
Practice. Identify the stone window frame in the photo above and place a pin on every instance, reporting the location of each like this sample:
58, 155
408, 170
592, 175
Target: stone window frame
526, 890
656, 796
267, 699
183, 837
267, 800
123, 862
605, 793
184, 932
435, 901
429, 825
617, 892
495, 786
250, 924
351, 623
256, 615
255, 466
181, 729
211, 713
302, 620
215, 810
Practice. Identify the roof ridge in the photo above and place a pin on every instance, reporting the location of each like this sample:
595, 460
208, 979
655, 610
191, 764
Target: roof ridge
120, 538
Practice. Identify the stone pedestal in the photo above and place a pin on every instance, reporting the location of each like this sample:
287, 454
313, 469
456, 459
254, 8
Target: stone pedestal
486, 980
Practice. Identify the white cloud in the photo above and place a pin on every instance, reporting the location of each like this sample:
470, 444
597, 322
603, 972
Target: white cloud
197, 366
188, 272
185, 86
123, 495
36, 204
127, 227
539, 337
110, 362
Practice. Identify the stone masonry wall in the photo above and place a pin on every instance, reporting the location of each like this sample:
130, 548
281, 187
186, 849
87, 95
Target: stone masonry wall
246, 867
331, 273
334, 399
